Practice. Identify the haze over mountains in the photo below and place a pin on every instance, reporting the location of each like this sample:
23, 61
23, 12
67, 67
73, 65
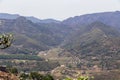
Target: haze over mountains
31, 18
109, 18
89, 42
33, 35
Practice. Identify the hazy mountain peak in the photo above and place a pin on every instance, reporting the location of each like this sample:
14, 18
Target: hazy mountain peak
21, 18
50, 21
109, 18
31, 18
117, 11
8, 16
34, 19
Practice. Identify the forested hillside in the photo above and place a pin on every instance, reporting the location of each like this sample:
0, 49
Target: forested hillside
89, 43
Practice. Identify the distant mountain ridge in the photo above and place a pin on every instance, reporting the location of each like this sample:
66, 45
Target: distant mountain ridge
105, 17
31, 36
8, 16
33, 19
109, 18
89, 42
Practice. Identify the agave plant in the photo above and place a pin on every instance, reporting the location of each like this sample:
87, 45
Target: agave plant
5, 40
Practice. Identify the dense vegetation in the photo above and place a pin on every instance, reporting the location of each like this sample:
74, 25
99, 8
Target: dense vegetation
35, 76
20, 57
30, 65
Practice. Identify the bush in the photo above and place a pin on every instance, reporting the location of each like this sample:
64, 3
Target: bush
5, 40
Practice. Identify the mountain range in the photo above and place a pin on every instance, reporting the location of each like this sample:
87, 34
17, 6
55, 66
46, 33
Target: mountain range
79, 33
31, 18
89, 43
108, 18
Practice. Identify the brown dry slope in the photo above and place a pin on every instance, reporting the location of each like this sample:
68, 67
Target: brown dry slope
7, 76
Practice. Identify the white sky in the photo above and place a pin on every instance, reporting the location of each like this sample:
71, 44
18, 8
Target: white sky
57, 9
